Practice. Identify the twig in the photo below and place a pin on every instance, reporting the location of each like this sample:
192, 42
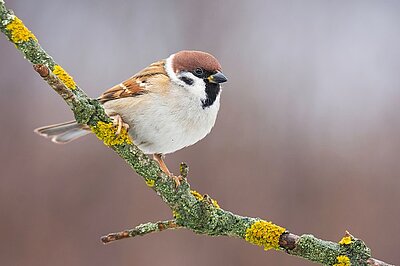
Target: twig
56, 84
191, 210
140, 230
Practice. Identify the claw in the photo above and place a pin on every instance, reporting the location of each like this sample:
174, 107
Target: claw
177, 180
117, 121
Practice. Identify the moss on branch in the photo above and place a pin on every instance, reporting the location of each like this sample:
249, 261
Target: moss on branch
191, 210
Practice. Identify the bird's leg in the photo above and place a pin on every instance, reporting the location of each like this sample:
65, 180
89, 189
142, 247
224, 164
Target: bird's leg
117, 121
159, 158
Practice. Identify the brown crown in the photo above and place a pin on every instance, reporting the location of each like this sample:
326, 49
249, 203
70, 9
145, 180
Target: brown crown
190, 60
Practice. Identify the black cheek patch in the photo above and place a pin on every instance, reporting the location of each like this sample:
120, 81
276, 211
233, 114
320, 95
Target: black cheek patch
187, 80
212, 91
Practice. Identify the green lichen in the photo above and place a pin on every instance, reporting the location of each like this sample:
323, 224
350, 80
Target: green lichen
327, 252
356, 250
316, 250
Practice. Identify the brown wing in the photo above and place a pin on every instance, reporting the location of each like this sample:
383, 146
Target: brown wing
135, 85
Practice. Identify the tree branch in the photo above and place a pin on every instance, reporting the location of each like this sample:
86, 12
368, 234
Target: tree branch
201, 214
140, 230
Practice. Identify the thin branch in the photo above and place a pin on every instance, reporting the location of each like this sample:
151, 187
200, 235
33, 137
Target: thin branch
191, 210
56, 84
140, 230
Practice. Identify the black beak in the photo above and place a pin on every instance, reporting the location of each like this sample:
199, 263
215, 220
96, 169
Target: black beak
217, 78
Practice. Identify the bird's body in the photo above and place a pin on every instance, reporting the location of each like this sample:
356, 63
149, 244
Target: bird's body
171, 104
164, 123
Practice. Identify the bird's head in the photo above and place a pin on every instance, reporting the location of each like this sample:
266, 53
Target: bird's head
197, 72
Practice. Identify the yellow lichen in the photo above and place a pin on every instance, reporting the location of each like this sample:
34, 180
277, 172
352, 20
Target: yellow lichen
197, 195
150, 182
346, 240
176, 214
64, 77
107, 132
215, 203
263, 233
19, 33
342, 261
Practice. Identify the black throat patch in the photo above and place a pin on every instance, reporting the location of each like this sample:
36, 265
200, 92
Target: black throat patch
212, 90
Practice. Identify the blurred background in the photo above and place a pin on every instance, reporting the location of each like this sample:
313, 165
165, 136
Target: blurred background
308, 135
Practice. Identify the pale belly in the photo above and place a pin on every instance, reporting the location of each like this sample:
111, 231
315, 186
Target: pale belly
157, 126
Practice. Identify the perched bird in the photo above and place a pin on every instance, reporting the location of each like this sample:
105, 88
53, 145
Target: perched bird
169, 105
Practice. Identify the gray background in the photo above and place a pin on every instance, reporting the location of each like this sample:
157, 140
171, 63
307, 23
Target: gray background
307, 136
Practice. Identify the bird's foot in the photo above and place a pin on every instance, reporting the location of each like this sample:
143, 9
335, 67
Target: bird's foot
176, 179
159, 159
117, 121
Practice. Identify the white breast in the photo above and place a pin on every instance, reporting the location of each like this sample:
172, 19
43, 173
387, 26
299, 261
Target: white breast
165, 123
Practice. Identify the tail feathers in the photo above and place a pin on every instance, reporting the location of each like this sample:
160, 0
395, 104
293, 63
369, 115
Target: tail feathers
64, 132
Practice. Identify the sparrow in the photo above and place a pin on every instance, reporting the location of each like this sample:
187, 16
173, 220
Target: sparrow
169, 105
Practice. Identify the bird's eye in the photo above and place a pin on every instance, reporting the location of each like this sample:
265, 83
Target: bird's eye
199, 72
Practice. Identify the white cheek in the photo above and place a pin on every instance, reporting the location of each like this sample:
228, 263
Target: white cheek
198, 86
